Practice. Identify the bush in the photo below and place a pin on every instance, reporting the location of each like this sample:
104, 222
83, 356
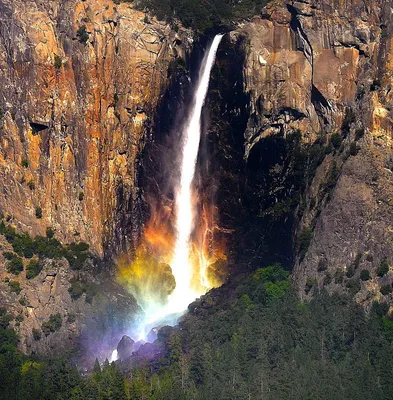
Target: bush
350, 272
336, 140
82, 34
81, 196
25, 163
58, 62
354, 149
14, 287
365, 275
383, 269
386, 289
77, 254
78, 288
15, 266
54, 324
38, 212
304, 242
34, 267
50, 233
353, 285
23, 245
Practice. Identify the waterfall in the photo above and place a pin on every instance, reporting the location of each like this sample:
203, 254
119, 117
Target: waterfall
185, 212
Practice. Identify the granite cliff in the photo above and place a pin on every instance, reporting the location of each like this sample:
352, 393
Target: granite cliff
300, 158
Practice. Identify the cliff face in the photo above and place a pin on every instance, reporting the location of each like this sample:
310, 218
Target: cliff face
323, 70
80, 81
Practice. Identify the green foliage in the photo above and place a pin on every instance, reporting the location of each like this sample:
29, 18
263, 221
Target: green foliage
383, 269
77, 254
79, 287
304, 241
23, 245
38, 212
324, 349
25, 162
58, 63
386, 289
54, 324
81, 196
365, 275
34, 267
14, 287
15, 265
43, 247
50, 233
203, 15
354, 149
336, 140
82, 34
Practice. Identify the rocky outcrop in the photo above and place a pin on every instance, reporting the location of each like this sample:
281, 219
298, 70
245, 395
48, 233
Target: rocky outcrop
323, 69
61, 308
80, 82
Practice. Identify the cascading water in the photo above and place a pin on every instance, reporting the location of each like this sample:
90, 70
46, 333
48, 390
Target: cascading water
185, 213
158, 313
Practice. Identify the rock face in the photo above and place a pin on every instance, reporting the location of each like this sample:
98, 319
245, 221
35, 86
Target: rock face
80, 81
60, 308
324, 68
125, 347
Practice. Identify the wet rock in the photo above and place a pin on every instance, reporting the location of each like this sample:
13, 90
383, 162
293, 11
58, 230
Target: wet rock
125, 347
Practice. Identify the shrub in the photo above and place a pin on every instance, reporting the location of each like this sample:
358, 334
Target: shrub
54, 324
78, 288
58, 62
50, 233
365, 275
383, 269
350, 272
25, 163
336, 140
81, 196
82, 34
23, 245
14, 287
77, 254
353, 285
8, 255
386, 289
304, 241
38, 212
354, 149
34, 267
15, 266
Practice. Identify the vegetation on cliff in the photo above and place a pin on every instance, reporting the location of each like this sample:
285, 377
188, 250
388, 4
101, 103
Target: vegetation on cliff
205, 14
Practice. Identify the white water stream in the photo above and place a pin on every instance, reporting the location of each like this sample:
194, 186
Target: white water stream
181, 266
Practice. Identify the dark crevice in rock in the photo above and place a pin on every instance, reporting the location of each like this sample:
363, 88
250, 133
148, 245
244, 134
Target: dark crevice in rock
37, 127
320, 105
353, 46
